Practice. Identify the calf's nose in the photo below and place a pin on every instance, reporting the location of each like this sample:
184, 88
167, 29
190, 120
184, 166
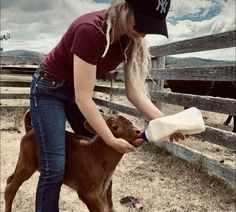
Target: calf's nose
138, 134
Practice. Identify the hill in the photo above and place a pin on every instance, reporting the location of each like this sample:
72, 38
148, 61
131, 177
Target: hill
171, 61
22, 53
195, 61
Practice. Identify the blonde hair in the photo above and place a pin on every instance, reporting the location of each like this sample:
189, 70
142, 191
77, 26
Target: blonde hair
139, 62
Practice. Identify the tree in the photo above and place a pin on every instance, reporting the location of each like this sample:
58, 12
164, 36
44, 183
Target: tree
5, 36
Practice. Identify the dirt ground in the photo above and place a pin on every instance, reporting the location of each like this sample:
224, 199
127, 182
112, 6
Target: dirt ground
156, 179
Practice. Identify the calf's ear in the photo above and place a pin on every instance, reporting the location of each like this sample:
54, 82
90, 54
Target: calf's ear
89, 128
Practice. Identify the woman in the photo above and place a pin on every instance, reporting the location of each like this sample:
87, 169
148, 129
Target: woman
62, 88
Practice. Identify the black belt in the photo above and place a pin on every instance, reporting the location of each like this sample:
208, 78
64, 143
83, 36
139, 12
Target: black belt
53, 78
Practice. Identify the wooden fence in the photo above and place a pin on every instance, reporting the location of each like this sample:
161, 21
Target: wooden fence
158, 74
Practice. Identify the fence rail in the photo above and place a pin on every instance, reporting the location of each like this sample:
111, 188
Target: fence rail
211, 42
206, 73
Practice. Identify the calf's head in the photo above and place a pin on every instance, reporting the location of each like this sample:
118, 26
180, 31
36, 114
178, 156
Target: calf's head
121, 127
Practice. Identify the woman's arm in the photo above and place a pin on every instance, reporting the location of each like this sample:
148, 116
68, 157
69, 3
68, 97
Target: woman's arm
84, 81
143, 104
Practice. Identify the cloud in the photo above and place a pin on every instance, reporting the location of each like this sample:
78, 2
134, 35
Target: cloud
183, 24
182, 8
39, 25
27, 6
33, 21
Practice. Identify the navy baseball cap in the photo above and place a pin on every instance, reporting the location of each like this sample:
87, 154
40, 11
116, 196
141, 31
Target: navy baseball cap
150, 15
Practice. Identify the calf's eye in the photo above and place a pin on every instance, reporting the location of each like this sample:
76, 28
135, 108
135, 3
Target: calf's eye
114, 127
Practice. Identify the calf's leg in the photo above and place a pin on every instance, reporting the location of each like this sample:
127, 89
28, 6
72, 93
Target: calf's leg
96, 203
22, 173
27, 164
10, 178
228, 120
234, 128
234, 122
109, 197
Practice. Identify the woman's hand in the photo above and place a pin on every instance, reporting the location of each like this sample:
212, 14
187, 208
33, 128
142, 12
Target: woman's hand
121, 145
177, 136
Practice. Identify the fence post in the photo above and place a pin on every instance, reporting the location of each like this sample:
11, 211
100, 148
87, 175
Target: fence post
159, 63
157, 85
111, 96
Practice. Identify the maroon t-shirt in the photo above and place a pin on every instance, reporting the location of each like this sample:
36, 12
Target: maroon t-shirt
85, 38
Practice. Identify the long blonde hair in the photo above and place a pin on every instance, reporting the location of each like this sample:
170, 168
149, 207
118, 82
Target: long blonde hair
139, 62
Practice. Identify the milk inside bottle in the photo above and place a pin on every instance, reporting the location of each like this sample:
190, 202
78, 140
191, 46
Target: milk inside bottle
187, 122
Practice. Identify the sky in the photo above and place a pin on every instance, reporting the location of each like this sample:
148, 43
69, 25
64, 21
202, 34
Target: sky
38, 25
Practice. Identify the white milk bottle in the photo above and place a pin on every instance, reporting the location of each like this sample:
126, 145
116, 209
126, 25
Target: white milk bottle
187, 122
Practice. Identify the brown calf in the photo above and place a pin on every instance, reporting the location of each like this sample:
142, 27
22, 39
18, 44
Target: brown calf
90, 164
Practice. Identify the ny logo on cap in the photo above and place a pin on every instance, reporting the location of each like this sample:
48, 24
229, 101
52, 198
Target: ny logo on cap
163, 5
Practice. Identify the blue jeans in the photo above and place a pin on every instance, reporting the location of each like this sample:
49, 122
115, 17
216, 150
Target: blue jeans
50, 105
